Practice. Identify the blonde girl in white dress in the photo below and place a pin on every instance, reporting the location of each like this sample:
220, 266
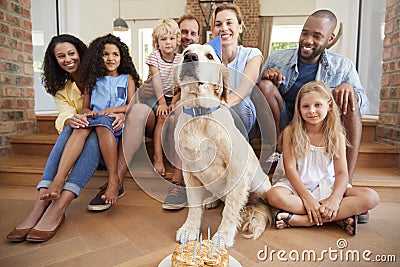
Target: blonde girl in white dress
311, 182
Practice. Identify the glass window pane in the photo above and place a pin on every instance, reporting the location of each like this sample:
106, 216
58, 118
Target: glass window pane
44, 27
372, 28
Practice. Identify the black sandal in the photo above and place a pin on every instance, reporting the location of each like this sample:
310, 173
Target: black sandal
285, 220
345, 224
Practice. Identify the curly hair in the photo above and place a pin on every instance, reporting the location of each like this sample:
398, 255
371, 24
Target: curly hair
92, 66
53, 76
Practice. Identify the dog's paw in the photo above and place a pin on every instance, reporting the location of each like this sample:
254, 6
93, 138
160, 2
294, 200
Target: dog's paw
211, 203
187, 233
225, 239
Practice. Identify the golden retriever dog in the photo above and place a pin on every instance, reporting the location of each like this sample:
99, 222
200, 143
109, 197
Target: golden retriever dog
215, 156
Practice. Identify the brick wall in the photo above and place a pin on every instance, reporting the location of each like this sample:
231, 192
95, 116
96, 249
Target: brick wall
250, 13
16, 72
388, 128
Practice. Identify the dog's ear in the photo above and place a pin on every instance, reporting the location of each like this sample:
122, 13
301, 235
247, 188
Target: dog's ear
176, 89
225, 83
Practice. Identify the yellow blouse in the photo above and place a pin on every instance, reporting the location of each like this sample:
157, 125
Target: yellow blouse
69, 101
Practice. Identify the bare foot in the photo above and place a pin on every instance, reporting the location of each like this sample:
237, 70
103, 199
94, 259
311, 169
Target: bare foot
111, 194
53, 192
159, 166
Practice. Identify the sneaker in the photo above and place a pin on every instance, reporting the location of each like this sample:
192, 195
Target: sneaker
176, 198
363, 217
97, 204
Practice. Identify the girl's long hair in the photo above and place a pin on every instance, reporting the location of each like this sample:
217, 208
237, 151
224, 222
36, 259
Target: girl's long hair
53, 76
92, 66
332, 125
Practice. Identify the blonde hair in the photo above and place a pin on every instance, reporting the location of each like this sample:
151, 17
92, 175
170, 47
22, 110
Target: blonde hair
166, 27
332, 125
228, 6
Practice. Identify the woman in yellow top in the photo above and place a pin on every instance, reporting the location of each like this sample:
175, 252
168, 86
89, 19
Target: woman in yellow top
60, 78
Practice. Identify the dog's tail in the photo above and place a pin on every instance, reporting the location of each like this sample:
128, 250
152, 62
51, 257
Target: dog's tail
255, 219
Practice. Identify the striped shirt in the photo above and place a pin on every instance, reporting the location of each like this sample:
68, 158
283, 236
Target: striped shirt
166, 70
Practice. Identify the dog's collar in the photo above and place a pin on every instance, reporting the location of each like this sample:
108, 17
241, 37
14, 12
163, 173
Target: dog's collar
195, 112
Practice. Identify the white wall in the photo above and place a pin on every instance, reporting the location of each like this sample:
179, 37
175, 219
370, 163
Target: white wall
86, 19
147, 9
287, 7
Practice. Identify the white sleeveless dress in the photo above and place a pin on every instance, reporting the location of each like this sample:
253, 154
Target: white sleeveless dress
316, 171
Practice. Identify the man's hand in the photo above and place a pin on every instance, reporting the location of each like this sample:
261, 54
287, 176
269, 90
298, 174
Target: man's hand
273, 75
344, 95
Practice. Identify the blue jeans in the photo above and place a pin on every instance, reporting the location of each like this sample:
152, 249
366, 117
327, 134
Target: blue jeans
286, 117
83, 169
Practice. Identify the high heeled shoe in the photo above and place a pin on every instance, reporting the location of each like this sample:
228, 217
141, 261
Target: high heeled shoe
18, 235
42, 236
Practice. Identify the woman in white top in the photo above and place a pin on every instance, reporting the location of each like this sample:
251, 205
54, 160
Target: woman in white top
243, 64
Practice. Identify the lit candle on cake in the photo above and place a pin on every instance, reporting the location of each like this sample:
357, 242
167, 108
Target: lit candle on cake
208, 231
194, 253
212, 250
201, 238
219, 244
183, 241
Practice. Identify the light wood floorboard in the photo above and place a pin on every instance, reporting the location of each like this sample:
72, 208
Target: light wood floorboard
138, 232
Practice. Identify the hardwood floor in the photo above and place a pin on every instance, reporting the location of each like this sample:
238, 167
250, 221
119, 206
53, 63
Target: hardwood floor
138, 232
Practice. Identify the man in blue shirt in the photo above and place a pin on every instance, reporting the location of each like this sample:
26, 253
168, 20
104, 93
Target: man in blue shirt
286, 71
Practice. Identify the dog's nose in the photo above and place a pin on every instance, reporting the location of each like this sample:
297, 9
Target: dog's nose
190, 57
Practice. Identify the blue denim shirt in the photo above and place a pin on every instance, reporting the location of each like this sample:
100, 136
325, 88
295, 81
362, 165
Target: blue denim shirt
333, 69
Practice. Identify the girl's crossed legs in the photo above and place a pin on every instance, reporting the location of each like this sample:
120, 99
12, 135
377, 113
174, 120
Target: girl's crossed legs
355, 201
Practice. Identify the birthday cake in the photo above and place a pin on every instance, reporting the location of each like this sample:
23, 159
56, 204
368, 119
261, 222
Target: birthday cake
199, 253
